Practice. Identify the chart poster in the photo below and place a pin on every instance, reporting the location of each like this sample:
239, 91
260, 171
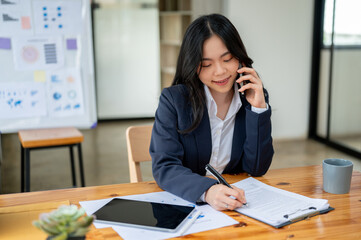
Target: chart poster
15, 18
22, 100
65, 93
38, 53
57, 17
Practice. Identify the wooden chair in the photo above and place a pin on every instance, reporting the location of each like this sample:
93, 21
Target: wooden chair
138, 141
49, 138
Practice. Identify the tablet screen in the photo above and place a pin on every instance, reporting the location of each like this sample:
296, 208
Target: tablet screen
157, 216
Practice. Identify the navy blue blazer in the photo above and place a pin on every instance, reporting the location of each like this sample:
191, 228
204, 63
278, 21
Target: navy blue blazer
179, 160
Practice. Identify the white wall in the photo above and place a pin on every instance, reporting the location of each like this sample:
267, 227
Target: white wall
202, 7
278, 37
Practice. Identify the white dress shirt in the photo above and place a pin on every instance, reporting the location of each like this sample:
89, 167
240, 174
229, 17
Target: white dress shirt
222, 130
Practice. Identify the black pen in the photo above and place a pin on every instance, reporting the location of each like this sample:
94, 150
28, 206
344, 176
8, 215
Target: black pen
219, 177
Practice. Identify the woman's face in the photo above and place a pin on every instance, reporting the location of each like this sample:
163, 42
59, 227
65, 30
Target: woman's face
219, 66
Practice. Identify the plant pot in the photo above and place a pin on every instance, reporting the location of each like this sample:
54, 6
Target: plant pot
69, 238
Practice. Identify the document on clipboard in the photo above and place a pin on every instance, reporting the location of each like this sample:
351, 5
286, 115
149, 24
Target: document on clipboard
278, 207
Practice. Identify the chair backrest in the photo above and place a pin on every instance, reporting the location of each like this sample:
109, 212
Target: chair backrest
138, 141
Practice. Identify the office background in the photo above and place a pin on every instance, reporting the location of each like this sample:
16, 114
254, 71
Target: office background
278, 35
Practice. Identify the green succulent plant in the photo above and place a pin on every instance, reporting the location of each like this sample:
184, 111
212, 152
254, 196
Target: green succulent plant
64, 222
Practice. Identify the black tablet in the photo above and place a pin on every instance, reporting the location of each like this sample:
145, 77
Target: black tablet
149, 215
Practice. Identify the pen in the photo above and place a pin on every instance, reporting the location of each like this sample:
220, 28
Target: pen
189, 223
219, 177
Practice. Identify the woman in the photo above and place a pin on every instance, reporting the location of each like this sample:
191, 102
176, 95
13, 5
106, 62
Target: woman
204, 118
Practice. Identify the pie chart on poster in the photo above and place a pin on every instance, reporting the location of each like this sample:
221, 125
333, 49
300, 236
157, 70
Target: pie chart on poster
30, 54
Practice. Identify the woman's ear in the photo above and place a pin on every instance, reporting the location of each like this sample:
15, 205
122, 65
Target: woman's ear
199, 69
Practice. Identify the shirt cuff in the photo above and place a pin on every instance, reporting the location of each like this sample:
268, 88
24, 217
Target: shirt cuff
259, 110
202, 197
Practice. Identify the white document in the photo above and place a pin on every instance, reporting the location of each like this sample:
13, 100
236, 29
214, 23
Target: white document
209, 219
275, 206
15, 18
38, 53
58, 17
22, 100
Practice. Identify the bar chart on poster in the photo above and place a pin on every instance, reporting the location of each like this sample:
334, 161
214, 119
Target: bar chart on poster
46, 65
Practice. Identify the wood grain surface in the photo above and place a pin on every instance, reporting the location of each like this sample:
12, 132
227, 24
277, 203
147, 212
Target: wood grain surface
50, 137
342, 223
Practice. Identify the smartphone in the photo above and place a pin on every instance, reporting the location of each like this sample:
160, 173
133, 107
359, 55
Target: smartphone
244, 82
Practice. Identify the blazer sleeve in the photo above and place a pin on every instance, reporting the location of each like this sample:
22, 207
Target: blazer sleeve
258, 147
167, 152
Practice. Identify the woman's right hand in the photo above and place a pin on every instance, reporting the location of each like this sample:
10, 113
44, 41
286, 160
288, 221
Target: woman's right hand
221, 197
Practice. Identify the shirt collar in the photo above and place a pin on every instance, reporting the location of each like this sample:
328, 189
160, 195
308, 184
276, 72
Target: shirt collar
236, 103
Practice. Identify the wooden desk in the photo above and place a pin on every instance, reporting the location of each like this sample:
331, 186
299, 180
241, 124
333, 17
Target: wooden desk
342, 223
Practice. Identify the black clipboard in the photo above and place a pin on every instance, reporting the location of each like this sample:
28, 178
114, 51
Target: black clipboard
305, 216
277, 207
296, 219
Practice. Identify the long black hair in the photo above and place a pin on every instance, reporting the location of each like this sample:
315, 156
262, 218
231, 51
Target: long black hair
191, 54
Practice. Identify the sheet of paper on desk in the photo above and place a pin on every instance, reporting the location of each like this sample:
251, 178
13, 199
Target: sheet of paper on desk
209, 219
270, 205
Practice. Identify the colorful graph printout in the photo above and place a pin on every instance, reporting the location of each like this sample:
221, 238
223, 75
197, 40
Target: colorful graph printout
57, 17
65, 93
22, 100
15, 18
38, 53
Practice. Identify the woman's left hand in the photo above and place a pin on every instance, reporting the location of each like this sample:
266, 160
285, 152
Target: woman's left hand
254, 93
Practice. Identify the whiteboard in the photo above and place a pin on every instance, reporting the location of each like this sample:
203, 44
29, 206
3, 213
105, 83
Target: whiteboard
46, 65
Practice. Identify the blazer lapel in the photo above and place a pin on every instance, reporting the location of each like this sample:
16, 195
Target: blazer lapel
203, 138
239, 135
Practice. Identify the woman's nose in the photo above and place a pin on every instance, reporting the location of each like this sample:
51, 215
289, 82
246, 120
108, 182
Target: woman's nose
219, 69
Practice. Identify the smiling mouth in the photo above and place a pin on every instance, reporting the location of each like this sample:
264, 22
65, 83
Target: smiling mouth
222, 82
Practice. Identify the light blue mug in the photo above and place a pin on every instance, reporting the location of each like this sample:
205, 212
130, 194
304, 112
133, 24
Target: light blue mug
337, 175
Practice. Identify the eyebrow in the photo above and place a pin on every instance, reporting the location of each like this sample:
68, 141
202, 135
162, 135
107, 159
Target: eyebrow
209, 59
